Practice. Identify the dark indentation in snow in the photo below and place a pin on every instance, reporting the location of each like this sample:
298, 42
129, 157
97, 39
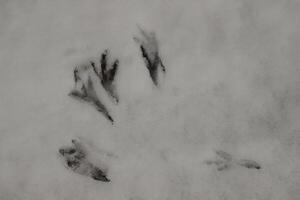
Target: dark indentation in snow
149, 49
107, 73
224, 155
225, 160
85, 86
99, 175
249, 164
75, 158
87, 93
221, 164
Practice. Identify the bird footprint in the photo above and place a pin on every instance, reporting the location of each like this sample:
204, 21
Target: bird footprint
84, 88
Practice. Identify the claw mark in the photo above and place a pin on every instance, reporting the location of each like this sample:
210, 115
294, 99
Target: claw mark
75, 158
149, 48
99, 175
87, 92
224, 160
107, 75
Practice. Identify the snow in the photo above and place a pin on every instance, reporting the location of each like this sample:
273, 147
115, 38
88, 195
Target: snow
232, 84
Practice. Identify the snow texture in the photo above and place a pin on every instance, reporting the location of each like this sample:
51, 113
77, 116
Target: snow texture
232, 85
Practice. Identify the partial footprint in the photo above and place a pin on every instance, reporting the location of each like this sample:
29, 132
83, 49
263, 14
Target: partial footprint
149, 49
106, 72
224, 161
76, 159
248, 164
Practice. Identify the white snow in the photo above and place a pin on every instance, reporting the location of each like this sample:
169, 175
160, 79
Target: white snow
232, 84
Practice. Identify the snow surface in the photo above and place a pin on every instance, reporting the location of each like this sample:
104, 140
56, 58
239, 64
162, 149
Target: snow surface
232, 84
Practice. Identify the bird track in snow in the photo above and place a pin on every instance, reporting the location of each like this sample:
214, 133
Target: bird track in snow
148, 45
75, 158
85, 84
225, 160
